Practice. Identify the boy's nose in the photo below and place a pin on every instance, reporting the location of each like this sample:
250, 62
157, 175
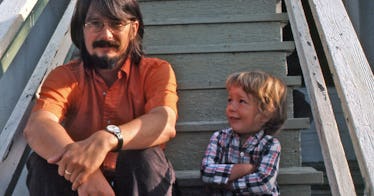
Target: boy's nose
232, 106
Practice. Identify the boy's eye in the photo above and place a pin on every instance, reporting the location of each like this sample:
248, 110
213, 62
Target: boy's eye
242, 101
229, 100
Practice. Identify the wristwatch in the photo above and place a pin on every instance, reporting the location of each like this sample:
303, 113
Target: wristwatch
116, 131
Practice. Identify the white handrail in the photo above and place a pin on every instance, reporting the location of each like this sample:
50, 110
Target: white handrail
353, 80
337, 168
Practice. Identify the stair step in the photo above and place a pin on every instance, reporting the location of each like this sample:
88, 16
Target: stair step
293, 181
290, 175
187, 148
286, 46
206, 8
234, 18
202, 126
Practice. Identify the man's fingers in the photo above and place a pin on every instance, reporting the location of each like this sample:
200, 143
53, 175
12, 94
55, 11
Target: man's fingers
55, 159
61, 170
78, 181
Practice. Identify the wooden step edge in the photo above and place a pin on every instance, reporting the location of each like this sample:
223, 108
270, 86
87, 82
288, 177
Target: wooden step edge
53, 55
268, 17
13, 15
202, 126
280, 46
11, 43
286, 176
291, 81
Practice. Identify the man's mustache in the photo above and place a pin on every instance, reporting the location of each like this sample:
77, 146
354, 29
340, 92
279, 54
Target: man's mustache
104, 43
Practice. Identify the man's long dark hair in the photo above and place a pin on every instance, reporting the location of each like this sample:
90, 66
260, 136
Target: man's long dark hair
114, 10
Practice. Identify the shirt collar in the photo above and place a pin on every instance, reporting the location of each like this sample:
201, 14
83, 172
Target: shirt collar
126, 66
252, 139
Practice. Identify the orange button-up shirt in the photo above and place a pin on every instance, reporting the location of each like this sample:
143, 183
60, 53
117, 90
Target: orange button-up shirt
84, 104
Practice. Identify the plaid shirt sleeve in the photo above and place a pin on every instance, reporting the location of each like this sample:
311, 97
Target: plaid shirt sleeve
212, 171
263, 180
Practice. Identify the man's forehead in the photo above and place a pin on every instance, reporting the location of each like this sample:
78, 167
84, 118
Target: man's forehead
95, 13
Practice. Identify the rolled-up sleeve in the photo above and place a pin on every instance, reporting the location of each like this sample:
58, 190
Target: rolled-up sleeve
211, 171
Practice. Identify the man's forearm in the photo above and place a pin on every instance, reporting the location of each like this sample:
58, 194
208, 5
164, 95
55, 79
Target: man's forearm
155, 128
45, 135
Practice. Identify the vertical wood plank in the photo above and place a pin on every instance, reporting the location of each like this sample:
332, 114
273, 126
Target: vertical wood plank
13, 14
353, 79
337, 168
12, 143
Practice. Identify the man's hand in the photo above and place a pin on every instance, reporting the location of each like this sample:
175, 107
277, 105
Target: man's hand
96, 185
79, 160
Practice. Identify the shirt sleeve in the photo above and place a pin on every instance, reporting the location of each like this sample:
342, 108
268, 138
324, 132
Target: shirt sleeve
212, 171
263, 180
55, 91
160, 86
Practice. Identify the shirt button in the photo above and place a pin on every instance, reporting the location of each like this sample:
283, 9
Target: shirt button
241, 154
108, 122
104, 93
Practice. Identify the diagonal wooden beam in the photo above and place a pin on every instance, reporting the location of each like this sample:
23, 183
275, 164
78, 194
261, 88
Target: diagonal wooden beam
353, 79
337, 168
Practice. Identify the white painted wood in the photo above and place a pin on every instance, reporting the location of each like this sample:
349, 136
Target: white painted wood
222, 33
353, 79
232, 18
13, 14
53, 56
206, 8
202, 126
215, 67
9, 165
286, 46
207, 84
336, 164
289, 175
21, 188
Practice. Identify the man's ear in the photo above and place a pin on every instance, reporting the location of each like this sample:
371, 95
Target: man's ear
134, 28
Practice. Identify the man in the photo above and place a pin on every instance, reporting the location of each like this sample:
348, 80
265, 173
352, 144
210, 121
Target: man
99, 125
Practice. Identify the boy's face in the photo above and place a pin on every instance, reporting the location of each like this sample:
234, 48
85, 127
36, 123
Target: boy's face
242, 111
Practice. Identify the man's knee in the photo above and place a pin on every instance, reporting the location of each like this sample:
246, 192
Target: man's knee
150, 157
43, 179
147, 171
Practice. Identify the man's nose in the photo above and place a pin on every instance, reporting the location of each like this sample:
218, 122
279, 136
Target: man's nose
106, 32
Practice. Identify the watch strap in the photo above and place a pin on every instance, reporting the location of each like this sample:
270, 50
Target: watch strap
116, 131
120, 142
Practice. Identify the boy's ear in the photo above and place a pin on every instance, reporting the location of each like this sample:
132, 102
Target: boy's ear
264, 117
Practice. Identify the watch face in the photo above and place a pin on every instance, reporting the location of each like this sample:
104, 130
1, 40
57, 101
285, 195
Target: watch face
113, 128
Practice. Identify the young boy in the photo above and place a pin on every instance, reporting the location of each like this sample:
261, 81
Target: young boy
244, 159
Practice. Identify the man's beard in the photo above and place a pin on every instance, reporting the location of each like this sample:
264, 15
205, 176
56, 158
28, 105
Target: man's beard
106, 62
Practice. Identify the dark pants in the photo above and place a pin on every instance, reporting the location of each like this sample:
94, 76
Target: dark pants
138, 172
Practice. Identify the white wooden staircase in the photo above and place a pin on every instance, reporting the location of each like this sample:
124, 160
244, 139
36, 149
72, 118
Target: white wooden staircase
204, 40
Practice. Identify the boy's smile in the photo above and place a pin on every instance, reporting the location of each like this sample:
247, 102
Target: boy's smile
242, 111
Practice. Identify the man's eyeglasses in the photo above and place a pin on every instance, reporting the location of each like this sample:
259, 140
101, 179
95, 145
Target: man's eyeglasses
96, 26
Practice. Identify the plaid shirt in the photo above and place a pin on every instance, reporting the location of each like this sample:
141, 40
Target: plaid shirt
224, 150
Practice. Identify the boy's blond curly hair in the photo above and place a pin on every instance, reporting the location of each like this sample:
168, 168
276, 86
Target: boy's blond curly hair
271, 93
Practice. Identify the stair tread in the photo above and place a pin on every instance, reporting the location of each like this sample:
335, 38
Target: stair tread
288, 175
190, 126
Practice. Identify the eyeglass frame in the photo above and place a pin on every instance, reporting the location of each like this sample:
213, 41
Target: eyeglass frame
113, 25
